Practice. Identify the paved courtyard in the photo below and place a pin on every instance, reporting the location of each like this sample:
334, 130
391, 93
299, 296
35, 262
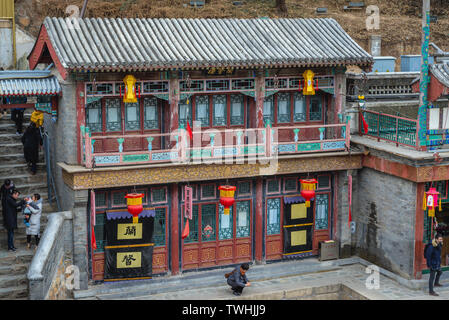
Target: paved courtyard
301, 279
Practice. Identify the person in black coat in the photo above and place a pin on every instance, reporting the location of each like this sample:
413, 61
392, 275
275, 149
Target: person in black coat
31, 141
5, 190
434, 263
238, 280
10, 216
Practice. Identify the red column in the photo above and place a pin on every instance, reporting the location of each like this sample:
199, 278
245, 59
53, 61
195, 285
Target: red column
173, 101
419, 262
259, 219
260, 96
174, 230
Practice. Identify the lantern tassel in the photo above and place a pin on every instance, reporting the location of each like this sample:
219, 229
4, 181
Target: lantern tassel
307, 204
135, 219
424, 206
226, 211
439, 205
432, 212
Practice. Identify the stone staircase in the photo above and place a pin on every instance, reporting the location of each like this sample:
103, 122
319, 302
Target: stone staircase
14, 265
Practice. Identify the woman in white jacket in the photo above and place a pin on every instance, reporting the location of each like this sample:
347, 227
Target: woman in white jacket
35, 220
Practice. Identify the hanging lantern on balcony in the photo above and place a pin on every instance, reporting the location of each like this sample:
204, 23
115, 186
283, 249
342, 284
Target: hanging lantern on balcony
430, 201
135, 207
227, 197
308, 90
130, 89
308, 187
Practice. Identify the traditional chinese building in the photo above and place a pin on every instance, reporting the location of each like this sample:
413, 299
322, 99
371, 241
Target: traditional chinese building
265, 100
392, 220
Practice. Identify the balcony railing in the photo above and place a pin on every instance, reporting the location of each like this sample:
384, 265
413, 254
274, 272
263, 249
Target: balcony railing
211, 145
402, 131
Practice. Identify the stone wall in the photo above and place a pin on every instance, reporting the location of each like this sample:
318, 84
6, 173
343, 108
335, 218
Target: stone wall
384, 212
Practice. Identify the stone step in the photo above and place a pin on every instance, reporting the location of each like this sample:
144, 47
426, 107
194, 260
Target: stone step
13, 280
7, 127
17, 158
30, 188
24, 178
11, 147
21, 256
14, 293
10, 169
10, 137
14, 269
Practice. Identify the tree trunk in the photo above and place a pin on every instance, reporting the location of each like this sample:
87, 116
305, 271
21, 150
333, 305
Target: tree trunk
282, 7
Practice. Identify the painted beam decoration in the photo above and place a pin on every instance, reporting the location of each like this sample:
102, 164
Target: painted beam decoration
129, 249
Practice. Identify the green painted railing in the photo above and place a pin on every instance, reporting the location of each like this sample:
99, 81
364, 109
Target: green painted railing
391, 128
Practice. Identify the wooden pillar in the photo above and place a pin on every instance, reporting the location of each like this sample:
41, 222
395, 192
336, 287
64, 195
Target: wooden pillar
259, 221
173, 101
419, 261
260, 96
174, 229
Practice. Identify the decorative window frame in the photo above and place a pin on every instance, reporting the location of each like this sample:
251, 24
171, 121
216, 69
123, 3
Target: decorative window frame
159, 202
238, 194
164, 88
273, 192
106, 200
284, 182
214, 188
329, 179
113, 205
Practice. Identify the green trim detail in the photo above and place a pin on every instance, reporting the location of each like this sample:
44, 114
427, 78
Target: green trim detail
309, 146
136, 158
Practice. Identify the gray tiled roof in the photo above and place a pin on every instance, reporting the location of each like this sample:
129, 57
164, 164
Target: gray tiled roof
28, 83
143, 44
441, 72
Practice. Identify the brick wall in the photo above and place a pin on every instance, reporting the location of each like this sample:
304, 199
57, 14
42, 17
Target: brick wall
384, 212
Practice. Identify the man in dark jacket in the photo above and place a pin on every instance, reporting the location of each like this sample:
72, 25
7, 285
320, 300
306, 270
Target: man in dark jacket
238, 280
5, 190
10, 216
433, 257
31, 141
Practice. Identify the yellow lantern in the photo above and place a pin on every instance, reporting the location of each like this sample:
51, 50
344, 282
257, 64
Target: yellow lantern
227, 197
130, 89
308, 90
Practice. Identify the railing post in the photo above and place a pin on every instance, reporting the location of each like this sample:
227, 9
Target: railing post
348, 132
397, 132
378, 127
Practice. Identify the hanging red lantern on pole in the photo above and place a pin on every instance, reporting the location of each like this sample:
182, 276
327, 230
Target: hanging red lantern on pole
135, 207
308, 187
430, 201
227, 197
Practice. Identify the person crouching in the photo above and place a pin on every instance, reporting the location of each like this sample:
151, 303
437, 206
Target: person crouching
238, 280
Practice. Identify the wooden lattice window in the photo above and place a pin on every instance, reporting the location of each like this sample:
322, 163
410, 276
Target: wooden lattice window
113, 115
322, 212
202, 110
208, 191
323, 182
299, 103
244, 188
268, 113
100, 237
316, 113
243, 227
208, 222
290, 184
283, 108
273, 216
193, 225
158, 195
99, 88
237, 110
159, 236
220, 108
151, 116
132, 116
100, 200
226, 223
273, 186
118, 199
94, 118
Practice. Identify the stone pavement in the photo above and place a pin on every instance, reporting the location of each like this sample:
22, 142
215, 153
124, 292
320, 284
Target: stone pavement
300, 279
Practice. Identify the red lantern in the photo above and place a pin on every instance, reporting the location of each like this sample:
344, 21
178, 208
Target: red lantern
227, 197
135, 207
430, 201
308, 187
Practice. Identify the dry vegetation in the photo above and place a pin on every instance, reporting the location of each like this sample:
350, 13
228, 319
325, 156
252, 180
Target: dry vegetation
400, 23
